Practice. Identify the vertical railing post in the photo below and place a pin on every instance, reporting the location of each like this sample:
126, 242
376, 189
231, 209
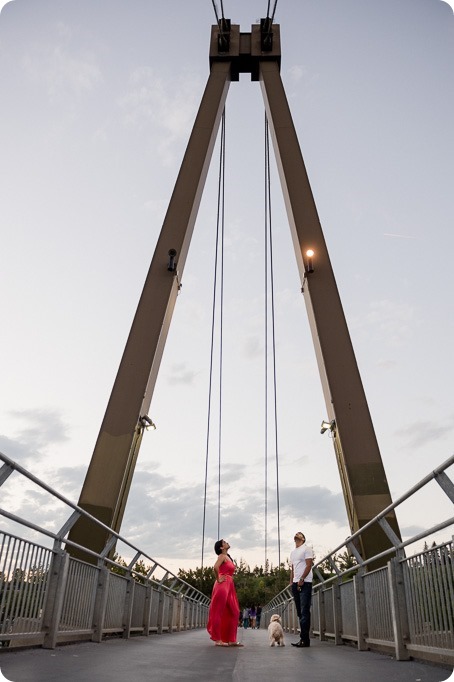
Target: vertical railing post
191, 607
186, 606
147, 610
55, 595
337, 614
181, 613
160, 612
128, 605
360, 611
398, 609
179, 600
171, 613
321, 614
99, 611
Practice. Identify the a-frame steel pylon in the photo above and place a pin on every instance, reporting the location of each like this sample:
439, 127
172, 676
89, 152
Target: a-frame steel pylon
364, 484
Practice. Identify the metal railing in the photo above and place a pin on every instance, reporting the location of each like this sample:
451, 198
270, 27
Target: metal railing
405, 608
48, 597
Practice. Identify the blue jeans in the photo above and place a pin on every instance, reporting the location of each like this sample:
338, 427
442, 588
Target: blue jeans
305, 606
296, 599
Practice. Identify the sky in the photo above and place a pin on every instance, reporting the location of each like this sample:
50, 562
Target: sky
97, 103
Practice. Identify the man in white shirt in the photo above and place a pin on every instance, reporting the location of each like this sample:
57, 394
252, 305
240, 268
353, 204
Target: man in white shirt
301, 561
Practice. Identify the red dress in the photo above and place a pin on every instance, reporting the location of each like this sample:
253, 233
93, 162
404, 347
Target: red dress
224, 608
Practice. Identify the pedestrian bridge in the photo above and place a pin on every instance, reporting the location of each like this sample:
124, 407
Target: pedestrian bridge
126, 623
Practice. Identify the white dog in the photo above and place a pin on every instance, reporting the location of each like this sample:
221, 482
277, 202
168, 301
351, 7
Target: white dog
275, 631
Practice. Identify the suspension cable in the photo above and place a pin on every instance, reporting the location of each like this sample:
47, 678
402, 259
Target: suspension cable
268, 238
219, 221
221, 212
268, 10
216, 12
267, 28
266, 343
221, 20
274, 10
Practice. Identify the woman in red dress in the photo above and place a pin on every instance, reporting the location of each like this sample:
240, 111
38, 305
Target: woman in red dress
224, 608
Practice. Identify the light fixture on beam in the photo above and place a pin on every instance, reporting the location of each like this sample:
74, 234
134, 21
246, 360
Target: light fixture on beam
308, 266
310, 253
145, 422
328, 426
171, 266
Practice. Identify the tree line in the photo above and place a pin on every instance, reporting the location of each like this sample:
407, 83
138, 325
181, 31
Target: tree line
260, 584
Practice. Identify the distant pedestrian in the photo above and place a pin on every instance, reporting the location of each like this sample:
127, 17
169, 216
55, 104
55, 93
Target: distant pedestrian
245, 618
252, 617
259, 616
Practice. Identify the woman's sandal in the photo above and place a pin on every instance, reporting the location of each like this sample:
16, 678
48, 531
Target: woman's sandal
221, 644
235, 644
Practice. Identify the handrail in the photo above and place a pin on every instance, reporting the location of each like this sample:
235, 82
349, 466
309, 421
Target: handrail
285, 594
60, 538
395, 504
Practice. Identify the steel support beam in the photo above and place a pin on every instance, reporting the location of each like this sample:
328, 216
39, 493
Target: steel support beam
109, 475
362, 474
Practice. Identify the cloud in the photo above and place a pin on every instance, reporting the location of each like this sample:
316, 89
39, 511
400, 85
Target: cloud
387, 364
61, 71
422, 433
411, 531
161, 518
297, 72
180, 374
235, 473
164, 518
37, 430
315, 503
398, 236
252, 347
15, 450
164, 108
68, 481
40, 428
391, 321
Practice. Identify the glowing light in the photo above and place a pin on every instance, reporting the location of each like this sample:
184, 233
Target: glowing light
310, 265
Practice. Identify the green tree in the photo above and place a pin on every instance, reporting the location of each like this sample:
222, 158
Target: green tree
253, 587
200, 578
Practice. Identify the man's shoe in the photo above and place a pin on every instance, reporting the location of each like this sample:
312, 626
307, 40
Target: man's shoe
301, 645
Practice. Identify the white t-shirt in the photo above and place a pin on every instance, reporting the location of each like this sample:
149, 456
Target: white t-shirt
298, 560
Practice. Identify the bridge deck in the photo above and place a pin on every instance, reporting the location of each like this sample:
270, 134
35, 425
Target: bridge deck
191, 656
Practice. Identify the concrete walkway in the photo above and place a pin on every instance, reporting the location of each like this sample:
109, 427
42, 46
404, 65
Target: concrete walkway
191, 656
